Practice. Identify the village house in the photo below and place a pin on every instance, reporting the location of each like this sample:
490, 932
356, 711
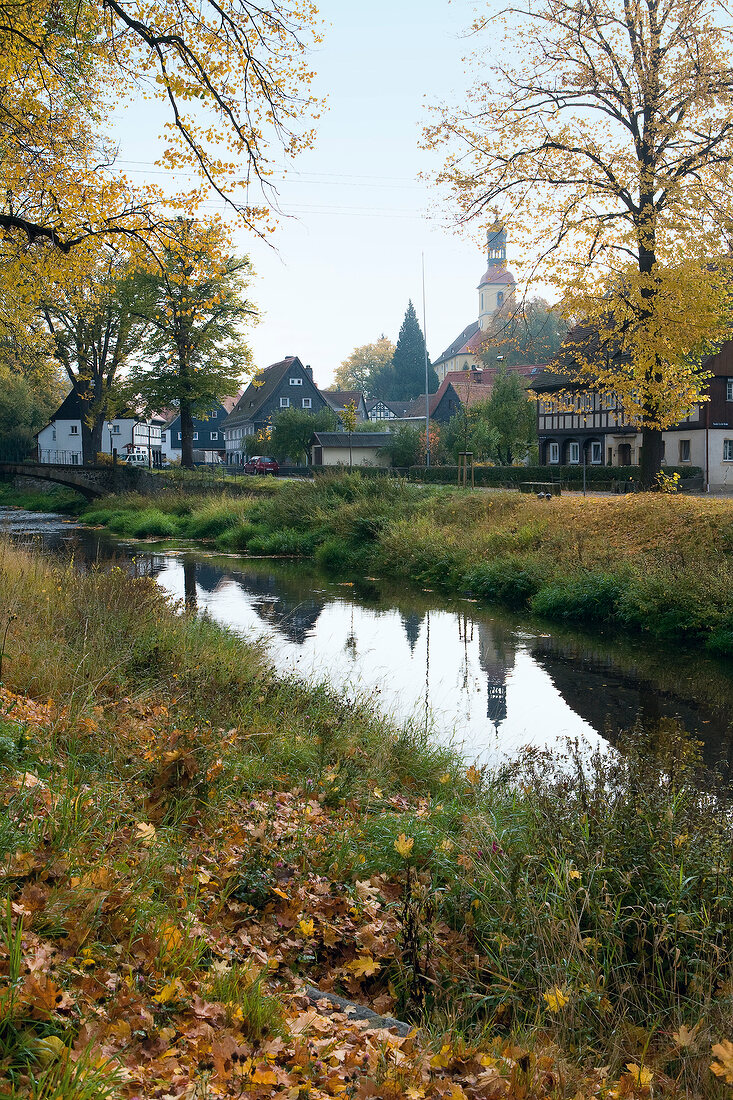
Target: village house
284, 385
444, 404
60, 440
339, 399
592, 428
345, 449
208, 436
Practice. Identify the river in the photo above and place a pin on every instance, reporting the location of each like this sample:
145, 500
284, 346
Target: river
482, 679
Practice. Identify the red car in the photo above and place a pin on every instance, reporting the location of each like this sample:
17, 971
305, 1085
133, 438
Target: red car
261, 464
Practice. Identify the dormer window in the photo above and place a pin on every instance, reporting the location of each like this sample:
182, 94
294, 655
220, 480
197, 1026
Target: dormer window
296, 381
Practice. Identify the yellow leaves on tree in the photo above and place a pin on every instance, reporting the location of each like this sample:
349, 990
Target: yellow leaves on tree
605, 136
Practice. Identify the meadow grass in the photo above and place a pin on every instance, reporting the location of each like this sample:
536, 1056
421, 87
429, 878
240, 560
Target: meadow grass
573, 902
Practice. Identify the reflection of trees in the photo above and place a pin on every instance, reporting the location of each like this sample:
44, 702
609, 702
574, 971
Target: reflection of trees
412, 621
612, 698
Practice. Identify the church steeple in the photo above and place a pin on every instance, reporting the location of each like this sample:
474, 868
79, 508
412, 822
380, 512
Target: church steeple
497, 285
496, 242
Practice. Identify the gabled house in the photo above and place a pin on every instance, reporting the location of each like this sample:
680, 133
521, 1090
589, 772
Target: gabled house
593, 428
284, 385
208, 435
339, 399
443, 405
60, 440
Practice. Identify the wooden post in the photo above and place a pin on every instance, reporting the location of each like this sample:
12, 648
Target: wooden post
465, 460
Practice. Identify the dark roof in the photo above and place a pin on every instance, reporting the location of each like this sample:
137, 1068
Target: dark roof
358, 439
338, 399
261, 389
457, 345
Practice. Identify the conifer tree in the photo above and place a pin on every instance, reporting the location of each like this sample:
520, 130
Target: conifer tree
404, 378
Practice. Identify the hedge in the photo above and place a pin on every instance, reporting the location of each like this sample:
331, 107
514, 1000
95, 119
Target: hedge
566, 476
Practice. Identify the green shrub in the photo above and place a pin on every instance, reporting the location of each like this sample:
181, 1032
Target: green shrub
589, 598
510, 580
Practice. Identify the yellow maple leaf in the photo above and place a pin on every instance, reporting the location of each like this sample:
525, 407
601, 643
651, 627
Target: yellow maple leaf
378, 792
555, 998
363, 966
445, 778
724, 1066
264, 1077
442, 1058
404, 845
640, 1074
307, 927
173, 991
473, 775
145, 833
685, 1036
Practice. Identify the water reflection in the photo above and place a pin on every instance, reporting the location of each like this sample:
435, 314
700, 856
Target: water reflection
486, 680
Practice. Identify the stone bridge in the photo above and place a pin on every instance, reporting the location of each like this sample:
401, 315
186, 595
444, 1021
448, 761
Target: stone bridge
90, 481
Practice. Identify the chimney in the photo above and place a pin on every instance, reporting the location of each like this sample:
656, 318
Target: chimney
309, 371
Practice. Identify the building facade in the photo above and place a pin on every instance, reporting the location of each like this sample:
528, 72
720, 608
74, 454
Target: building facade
208, 434
60, 441
284, 385
592, 428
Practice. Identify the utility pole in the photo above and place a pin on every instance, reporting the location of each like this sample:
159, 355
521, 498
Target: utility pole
425, 341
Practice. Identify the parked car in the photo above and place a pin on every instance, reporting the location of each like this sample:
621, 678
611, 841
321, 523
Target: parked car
261, 464
134, 458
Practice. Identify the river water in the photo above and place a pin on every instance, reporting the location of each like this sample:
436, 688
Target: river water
481, 679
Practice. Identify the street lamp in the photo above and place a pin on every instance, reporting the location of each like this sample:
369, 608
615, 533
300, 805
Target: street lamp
110, 428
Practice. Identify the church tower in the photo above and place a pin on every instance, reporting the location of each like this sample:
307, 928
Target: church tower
498, 284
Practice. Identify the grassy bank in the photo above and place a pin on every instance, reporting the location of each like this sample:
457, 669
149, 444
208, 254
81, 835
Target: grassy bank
645, 563
185, 838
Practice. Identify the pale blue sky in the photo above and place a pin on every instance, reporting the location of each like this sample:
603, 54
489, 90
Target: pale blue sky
348, 259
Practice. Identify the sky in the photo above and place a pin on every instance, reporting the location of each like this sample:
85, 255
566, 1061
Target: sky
347, 255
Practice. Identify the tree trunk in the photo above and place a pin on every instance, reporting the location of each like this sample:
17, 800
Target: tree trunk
186, 435
652, 452
91, 434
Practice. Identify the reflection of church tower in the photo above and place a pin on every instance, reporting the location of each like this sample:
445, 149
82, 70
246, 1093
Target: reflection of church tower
412, 624
496, 659
497, 285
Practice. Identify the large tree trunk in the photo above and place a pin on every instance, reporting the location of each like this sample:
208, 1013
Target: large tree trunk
186, 435
652, 452
92, 426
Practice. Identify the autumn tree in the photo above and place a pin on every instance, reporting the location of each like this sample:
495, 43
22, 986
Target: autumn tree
94, 334
364, 365
404, 377
528, 331
194, 309
31, 389
605, 136
234, 76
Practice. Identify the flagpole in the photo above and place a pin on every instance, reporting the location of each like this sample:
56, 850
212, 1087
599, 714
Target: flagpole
427, 395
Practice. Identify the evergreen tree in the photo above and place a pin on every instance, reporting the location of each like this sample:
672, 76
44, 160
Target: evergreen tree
404, 377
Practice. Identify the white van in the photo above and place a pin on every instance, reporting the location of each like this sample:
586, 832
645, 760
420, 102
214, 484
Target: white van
135, 458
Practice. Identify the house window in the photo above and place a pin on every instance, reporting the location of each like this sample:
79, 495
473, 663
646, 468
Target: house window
195, 435
596, 454
180, 436
499, 298
74, 458
214, 414
53, 433
74, 429
573, 453
214, 435
284, 402
115, 429
307, 402
684, 450
296, 381
728, 450
729, 389
554, 452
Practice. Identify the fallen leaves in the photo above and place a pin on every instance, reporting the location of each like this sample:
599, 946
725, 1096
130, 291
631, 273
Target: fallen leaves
404, 845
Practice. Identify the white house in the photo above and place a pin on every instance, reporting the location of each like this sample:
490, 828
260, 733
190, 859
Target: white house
344, 449
60, 440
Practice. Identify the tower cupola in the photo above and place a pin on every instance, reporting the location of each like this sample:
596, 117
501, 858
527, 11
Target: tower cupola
497, 285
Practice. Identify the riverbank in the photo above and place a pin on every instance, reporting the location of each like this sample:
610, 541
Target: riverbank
187, 838
652, 564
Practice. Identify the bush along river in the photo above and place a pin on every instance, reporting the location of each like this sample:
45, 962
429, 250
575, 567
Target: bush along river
485, 680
